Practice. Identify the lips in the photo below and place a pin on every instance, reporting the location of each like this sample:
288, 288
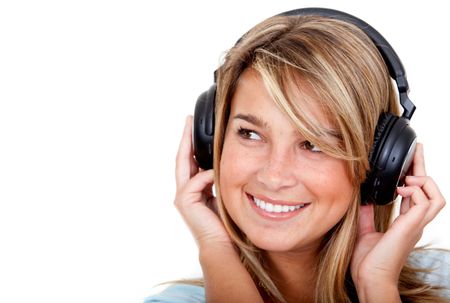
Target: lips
276, 209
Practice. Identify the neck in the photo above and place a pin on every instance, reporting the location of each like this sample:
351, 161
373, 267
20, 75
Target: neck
294, 273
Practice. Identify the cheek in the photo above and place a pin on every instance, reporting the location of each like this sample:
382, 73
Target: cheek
230, 166
231, 170
238, 167
231, 177
335, 187
237, 164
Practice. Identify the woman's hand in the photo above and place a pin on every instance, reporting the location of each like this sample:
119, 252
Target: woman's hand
194, 199
379, 257
225, 277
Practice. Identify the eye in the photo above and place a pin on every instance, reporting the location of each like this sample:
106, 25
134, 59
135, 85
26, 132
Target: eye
309, 146
248, 134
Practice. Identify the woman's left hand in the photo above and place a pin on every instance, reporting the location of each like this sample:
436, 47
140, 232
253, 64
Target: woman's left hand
379, 257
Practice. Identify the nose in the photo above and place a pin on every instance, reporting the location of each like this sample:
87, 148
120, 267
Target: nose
278, 172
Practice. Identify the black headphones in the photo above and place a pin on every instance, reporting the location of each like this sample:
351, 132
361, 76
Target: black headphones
394, 142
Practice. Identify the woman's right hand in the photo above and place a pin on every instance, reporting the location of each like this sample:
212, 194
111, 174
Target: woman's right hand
194, 199
225, 277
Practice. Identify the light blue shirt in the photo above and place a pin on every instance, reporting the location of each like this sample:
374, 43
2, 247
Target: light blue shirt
437, 260
179, 293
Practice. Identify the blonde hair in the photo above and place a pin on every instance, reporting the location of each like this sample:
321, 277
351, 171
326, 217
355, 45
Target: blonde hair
352, 86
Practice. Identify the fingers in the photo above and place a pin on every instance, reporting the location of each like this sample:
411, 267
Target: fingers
421, 202
426, 183
419, 161
417, 169
366, 223
193, 192
200, 181
418, 213
415, 195
185, 166
421, 197
405, 205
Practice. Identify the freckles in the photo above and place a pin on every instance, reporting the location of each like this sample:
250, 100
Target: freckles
321, 176
233, 163
229, 157
331, 180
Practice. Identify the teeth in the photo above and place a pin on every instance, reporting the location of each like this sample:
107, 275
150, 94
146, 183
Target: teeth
271, 208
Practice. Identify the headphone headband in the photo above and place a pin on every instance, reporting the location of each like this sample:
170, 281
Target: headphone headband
393, 63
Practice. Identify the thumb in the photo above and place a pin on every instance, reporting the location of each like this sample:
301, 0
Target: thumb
366, 222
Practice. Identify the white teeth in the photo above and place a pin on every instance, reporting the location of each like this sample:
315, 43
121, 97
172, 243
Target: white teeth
269, 207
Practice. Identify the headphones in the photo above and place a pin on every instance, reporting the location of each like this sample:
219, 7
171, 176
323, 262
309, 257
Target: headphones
394, 141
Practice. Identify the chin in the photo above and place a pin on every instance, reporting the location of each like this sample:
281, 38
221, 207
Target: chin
271, 246
279, 244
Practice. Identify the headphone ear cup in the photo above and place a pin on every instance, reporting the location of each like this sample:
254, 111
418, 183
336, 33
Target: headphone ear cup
367, 188
385, 122
203, 128
390, 158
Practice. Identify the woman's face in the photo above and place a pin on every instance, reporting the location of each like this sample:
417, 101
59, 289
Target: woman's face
281, 191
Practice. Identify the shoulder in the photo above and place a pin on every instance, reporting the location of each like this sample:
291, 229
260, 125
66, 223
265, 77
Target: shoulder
437, 261
179, 293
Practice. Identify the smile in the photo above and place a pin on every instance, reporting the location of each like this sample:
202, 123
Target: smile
274, 210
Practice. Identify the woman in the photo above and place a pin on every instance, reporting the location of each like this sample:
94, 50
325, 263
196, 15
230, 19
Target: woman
298, 100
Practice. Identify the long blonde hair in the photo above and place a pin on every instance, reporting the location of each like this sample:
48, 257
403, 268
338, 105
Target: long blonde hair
347, 73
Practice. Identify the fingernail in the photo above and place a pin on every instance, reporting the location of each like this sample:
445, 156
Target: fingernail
400, 188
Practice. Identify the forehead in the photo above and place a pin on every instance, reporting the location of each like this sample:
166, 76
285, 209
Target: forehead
256, 94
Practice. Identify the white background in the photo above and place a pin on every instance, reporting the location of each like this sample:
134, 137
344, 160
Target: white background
94, 96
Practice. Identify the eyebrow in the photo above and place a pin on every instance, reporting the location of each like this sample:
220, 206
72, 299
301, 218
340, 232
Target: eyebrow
252, 119
260, 123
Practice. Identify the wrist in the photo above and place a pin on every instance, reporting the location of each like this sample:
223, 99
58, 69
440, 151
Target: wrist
226, 278
377, 292
209, 251
215, 245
